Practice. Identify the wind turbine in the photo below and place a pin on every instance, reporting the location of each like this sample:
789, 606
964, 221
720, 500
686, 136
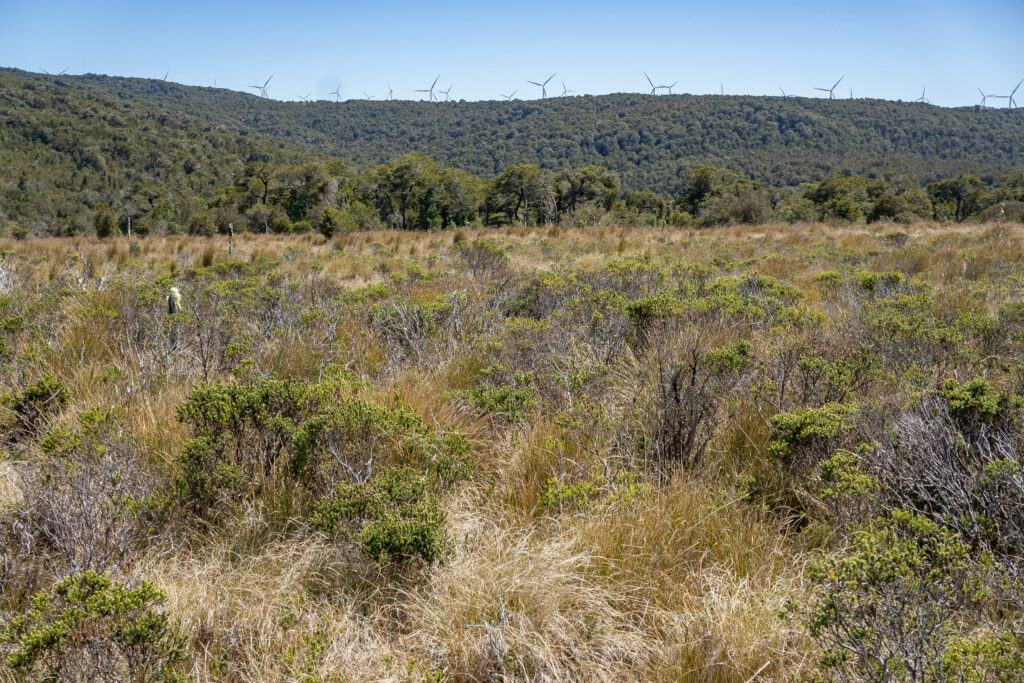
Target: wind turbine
263, 88
445, 92
668, 87
305, 98
508, 98
1012, 104
368, 96
391, 92
922, 98
831, 91
166, 75
542, 86
336, 92
430, 90
654, 88
566, 91
783, 92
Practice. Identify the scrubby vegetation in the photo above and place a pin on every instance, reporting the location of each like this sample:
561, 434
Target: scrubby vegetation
527, 453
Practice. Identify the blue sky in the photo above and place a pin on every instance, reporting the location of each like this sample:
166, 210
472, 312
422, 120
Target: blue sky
885, 49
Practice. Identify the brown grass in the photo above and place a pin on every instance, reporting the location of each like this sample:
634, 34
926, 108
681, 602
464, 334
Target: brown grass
682, 582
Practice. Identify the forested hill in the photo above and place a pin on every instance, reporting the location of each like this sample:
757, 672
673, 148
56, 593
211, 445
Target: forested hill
650, 141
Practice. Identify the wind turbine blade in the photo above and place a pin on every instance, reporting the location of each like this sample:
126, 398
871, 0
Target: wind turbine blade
1018, 86
268, 80
823, 89
648, 79
549, 79
435, 81
535, 83
839, 81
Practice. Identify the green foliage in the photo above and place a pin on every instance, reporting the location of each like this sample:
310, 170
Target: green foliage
958, 197
365, 431
512, 403
261, 439
240, 435
587, 493
803, 436
898, 603
976, 399
37, 403
393, 515
165, 178
91, 628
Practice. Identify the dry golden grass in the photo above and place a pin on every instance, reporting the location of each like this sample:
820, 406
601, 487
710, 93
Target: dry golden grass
681, 582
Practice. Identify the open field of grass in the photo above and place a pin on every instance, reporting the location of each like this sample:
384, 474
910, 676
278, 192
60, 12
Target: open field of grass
519, 454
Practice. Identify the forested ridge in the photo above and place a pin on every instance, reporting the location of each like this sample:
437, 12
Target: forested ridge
165, 150
650, 141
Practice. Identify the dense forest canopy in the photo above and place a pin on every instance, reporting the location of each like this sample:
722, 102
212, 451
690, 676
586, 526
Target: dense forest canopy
73, 146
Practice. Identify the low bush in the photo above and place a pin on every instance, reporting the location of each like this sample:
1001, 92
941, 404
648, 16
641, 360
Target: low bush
91, 502
393, 515
37, 404
90, 628
900, 604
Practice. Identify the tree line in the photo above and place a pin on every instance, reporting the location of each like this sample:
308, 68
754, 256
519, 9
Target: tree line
413, 192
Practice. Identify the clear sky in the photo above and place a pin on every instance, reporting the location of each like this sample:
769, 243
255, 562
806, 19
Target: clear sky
887, 49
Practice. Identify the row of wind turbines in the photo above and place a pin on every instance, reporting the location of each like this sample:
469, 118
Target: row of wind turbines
433, 91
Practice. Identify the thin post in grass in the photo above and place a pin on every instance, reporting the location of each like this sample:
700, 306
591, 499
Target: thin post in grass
231, 237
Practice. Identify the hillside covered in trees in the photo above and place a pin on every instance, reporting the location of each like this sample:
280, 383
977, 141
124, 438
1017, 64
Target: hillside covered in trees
84, 153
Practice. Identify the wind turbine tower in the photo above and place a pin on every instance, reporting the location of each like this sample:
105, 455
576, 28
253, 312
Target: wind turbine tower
430, 90
542, 86
831, 91
263, 88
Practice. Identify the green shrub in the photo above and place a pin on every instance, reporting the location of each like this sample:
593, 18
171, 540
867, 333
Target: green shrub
33, 407
349, 433
241, 435
896, 604
512, 403
276, 437
91, 628
975, 400
393, 515
803, 437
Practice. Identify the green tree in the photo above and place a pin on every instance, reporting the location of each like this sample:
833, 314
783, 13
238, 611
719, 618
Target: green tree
962, 195
457, 196
590, 184
103, 220
520, 193
403, 181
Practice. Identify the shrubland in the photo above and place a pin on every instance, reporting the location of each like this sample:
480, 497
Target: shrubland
528, 453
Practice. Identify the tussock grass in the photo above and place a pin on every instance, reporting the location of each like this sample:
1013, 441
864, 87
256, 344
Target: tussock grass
681, 577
